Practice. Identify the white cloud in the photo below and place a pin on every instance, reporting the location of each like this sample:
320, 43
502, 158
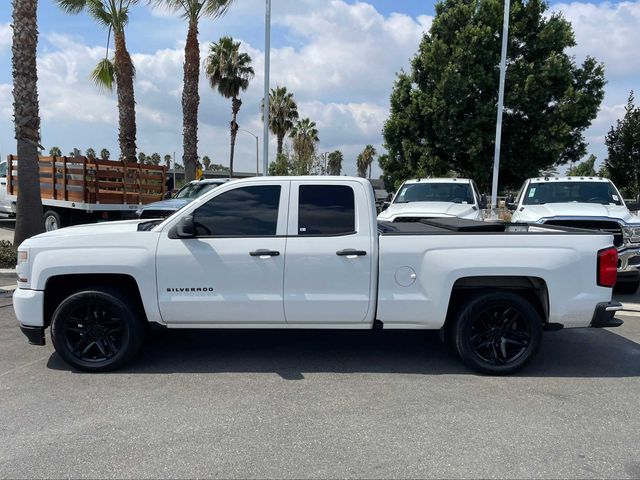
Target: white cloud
610, 32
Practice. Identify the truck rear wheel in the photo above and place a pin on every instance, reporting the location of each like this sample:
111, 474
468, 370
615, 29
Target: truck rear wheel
96, 330
497, 332
52, 220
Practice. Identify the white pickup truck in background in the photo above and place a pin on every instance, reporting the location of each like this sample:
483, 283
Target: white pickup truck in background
585, 202
308, 252
435, 198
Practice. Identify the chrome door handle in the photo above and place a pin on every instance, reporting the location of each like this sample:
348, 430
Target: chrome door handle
350, 253
263, 253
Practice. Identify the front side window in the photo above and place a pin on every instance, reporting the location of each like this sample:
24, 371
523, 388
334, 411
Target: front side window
435, 192
195, 189
326, 210
568, 192
242, 212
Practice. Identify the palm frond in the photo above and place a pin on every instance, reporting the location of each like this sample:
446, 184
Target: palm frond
96, 9
216, 8
71, 6
104, 75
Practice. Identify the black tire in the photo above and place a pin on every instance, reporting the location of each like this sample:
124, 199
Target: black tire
96, 330
497, 332
627, 288
52, 220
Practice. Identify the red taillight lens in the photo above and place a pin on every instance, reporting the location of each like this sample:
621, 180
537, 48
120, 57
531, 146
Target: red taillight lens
607, 267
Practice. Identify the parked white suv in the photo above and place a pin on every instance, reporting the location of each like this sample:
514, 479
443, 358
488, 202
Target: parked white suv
585, 202
435, 198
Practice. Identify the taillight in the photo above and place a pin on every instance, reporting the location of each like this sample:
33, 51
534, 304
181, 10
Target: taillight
607, 267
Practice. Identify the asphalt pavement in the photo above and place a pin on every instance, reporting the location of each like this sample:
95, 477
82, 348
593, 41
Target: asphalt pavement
318, 404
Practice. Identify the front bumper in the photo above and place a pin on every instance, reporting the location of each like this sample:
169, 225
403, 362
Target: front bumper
35, 335
603, 317
29, 308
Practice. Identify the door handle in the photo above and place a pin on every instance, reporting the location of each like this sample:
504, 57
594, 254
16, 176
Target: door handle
263, 253
350, 253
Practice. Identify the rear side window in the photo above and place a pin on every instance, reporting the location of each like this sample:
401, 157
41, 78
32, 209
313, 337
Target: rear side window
326, 210
243, 212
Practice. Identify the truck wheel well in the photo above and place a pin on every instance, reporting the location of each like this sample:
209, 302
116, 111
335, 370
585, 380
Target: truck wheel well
532, 289
61, 286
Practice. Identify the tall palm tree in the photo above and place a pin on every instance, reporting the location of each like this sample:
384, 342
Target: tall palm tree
114, 15
105, 154
27, 119
283, 113
334, 165
365, 159
305, 137
192, 11
90, 153
230, 72
55, 152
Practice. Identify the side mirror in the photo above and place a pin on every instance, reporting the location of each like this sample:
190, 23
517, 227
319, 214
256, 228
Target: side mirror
388, 198
384, 206
483, 202
186, 227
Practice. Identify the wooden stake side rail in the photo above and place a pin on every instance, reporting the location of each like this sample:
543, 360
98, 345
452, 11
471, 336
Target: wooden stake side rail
80, 179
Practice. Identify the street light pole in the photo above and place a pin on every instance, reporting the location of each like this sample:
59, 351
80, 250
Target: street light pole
503, 74
267, 66
257, 142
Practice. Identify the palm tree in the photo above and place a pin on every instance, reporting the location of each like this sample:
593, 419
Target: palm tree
230, 72
305, 137
365, 159
55, 152
90, 153
114, 15
155, 159
192, 11
105, 154
27, 119
334, 165
206, 161
283, 112
142, 158
167, 160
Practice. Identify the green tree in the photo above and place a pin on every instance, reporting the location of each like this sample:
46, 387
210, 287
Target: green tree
26, 111
90, 153
206, 161
142, 158
229, 71
584, 169
305, 138
192, 11
443, 112
623, 146
114, 15
105, 154
55, 152
365, 160
283, 113
167, 160
334, 164
281, 166
155, 159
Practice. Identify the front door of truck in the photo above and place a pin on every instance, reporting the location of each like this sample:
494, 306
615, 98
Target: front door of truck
232, 271
329, 257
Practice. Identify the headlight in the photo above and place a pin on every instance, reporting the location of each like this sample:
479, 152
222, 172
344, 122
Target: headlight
22, 268
631, 234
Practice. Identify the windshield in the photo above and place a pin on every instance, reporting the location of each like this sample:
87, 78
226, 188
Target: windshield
568, 192
435, 192
195, 189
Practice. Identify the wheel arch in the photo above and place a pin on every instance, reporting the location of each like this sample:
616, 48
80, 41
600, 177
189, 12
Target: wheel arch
59, 287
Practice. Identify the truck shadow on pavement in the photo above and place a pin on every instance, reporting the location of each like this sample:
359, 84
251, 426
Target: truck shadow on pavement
291, 354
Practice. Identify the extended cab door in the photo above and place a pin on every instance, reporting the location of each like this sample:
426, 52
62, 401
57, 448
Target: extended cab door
232, 271
329, 256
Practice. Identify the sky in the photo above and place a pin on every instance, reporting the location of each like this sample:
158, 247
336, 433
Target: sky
338, 57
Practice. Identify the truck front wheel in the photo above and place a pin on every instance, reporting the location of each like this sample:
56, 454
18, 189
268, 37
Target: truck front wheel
96, 330
497, 332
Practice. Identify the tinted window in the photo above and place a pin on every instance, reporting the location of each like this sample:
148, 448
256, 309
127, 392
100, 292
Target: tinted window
326, 210
566, 192
435, 192
247, 211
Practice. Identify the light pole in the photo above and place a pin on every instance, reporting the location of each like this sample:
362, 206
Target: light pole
325, 161
257, 141
503, 73
267, 66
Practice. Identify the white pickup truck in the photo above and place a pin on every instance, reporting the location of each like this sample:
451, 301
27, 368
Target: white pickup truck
435, 198
585, 202
307, 252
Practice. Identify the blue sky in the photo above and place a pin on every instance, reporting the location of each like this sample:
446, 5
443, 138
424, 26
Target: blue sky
339, 57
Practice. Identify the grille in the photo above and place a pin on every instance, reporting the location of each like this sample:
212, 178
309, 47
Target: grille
150, 213
604, 226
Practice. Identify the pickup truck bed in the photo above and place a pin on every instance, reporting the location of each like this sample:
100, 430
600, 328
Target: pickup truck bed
308, 252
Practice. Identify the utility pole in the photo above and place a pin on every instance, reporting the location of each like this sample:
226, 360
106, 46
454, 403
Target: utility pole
267, 66
257, 142
503, 74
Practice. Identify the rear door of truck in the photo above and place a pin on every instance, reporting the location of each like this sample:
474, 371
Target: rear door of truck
329, 253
